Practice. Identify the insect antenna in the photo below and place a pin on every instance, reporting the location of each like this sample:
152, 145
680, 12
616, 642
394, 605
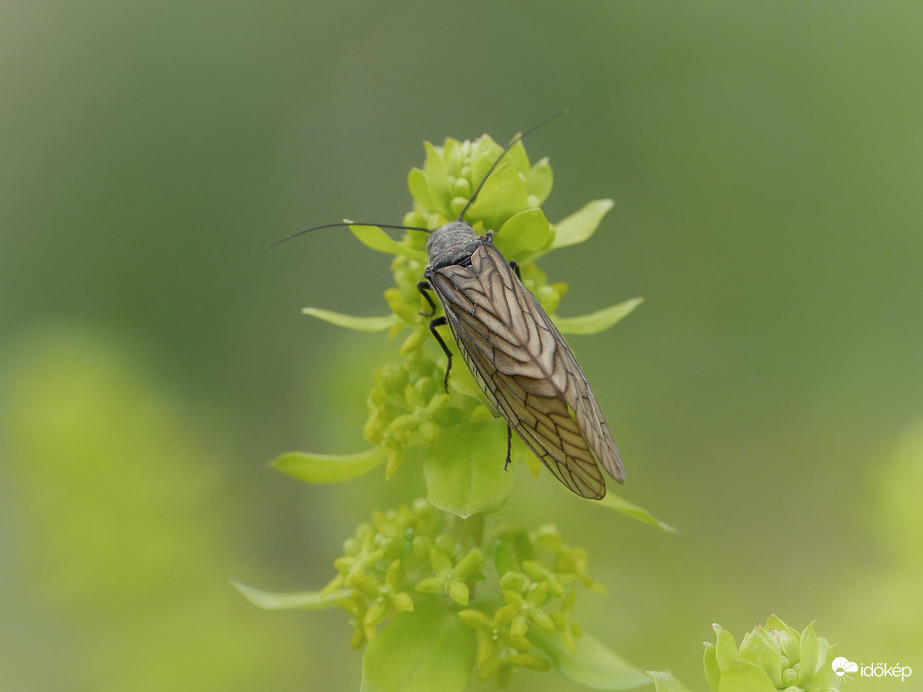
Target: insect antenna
346, 224
517, 137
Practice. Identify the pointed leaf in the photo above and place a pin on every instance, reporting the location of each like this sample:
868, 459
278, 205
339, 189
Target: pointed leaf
524, 235
809, 650
540, 181
597, 321
429, 648
359, 324
743, 676
436, 179
503, 195
664, 682
304, 600
419, 188
455, 155
629, 509
430, 187
581, 224
712, 669
377, 239
483, 152
760, 647
594, 665
329, 468
519, 158
725, 647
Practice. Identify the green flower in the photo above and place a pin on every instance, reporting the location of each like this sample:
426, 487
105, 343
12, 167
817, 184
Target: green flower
536, 602
564, 622
569, 562
389, 600
500, 651
449, 579
363, 631
379, 565
526, 607
770, 658
397, 570
504, 665
360, 554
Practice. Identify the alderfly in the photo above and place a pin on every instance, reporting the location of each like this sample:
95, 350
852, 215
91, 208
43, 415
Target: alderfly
517, 356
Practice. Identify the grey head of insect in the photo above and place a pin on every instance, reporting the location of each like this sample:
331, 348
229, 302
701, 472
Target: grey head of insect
514, 351
451, 244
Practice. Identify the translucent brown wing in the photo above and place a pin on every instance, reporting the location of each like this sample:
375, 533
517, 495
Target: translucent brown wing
521, 362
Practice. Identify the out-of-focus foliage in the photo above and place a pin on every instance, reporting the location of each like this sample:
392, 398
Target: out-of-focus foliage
764, 159
120, 541
885, 599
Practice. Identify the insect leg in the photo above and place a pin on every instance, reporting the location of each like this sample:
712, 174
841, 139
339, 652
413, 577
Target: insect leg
438, 322
514, 265
509, 445
424, 288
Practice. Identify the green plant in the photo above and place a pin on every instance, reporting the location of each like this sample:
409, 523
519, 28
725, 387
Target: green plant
770, 658
435, 590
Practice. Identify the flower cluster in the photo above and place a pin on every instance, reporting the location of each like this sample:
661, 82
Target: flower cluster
530, 582
538, 579
771, 657
396, 554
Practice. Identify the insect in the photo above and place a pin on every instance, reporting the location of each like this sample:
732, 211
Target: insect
515, 353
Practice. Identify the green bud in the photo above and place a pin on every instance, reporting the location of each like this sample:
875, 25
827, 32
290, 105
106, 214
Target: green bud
458, 591
462, 188
514, 581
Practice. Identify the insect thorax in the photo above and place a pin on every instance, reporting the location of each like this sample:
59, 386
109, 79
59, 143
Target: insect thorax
452, 244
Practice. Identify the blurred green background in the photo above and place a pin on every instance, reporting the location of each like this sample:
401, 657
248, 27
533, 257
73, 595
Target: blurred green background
766, 159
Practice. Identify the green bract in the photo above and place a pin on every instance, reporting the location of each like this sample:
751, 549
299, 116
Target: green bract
771, 658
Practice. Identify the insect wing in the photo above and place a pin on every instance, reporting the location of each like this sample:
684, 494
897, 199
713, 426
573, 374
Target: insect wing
521, 362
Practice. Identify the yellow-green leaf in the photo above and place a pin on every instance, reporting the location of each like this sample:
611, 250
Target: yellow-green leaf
473, 479
419, 188
377, 239
360, 324
629, 509
597, 321
581, 224
504, 194
665, 682
524, 235
329, 468
594, 665
304, 600
540, 180
430, 648
743, 675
